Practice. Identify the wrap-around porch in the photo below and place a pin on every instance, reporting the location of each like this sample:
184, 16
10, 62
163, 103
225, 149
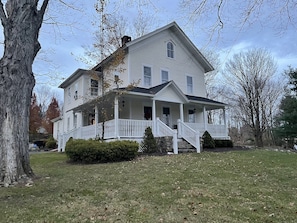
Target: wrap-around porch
129, 115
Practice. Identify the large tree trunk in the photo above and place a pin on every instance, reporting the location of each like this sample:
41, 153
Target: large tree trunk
21, 23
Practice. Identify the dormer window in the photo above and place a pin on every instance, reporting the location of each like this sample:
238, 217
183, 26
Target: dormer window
170, 50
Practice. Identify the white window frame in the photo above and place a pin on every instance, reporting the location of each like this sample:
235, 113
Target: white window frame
170, 49
147, 77
95, 89
162, 79
189, 85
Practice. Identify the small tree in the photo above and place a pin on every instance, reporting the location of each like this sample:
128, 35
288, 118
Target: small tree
287, 118
53, 111
208, 141
149, 143
35, 115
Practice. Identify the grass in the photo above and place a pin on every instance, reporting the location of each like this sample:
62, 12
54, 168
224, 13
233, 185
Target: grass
237, 186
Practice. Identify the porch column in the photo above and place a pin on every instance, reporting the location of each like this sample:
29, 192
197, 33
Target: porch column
79, 119
225, 121
154, 117
205, 118
96, 119
79, 123
181, 112
116, 116
224, 116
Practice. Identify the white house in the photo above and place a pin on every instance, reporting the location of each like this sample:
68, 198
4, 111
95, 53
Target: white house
168, 93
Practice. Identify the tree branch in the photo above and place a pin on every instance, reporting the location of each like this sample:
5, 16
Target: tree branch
43, 7
2, 15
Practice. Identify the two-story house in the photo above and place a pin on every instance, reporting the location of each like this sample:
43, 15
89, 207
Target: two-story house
156, 80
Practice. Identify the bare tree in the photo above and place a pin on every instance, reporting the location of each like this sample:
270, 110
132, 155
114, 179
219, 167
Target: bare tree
44, 94
21, 21
250, 75
276, 14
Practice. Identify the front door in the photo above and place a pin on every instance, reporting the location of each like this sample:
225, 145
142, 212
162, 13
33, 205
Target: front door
166, 115
147, 113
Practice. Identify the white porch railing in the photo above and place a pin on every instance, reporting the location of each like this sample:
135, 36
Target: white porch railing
190, 135
87, 132
109, 129
133, 128
216, 131
163, 130
128, 128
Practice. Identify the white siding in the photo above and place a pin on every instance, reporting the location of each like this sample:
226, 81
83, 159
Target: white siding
153, 51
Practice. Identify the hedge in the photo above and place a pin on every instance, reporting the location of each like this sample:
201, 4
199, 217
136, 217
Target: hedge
92, 151
221, 143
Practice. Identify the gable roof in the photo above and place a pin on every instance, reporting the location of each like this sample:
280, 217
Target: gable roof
179, 33
79, 72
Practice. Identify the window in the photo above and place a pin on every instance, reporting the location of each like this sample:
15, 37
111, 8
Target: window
147, 76
76, 91
94, 87
191, 116
170, 50
189, 85
75, 121
164, 76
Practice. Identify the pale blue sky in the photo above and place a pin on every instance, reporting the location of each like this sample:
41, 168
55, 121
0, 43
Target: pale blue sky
63, 43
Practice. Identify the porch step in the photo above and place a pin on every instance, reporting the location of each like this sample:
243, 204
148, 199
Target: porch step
180, 150
185, 147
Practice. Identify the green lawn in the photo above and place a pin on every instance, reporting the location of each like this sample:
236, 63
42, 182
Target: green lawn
239, 186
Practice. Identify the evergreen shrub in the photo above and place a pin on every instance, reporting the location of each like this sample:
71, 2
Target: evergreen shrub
223, 143
92, 151
208, 141
149, 143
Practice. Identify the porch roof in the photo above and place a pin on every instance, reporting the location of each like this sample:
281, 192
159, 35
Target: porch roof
205, 100
155, 91
188, 98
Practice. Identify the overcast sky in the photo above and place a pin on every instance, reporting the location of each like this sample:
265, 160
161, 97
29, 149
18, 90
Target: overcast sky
62, 44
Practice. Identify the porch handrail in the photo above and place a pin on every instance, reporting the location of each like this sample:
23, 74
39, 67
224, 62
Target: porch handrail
163, 130
189, 134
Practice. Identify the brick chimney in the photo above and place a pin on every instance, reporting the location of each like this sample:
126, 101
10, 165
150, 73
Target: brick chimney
126, 39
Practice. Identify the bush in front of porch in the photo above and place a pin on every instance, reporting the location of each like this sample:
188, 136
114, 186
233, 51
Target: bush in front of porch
208, 141
149, 143
92, 151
